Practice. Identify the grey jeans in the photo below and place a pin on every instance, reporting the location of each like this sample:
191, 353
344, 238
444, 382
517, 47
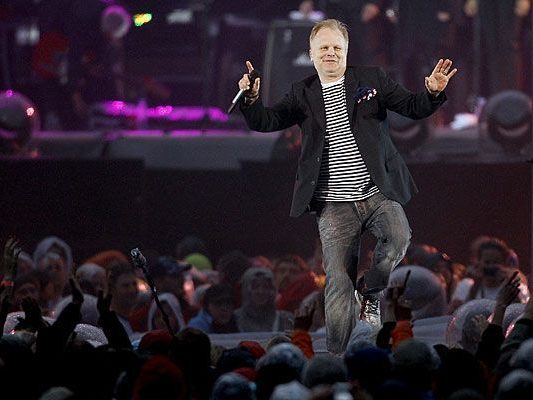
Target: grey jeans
340, 225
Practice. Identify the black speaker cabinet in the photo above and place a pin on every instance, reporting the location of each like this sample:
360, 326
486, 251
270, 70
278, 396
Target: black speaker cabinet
286, 59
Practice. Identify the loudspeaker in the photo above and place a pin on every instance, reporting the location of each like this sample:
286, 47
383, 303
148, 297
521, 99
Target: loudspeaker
287, 58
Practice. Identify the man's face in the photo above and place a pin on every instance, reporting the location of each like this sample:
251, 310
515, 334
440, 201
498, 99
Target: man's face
491, 256
125, 291
492, 264
262, 291
328, 52
56, 266
221, 312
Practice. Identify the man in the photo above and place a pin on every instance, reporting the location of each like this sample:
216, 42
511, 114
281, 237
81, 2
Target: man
349, 171
79, 59
122, 286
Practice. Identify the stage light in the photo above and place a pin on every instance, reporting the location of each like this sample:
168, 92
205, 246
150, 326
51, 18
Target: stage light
142, 19
18, 119
506, 119
115, 21
406, 133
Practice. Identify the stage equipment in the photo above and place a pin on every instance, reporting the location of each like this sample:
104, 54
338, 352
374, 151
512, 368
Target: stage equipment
407, 133
287, 58
506, 120
18, 119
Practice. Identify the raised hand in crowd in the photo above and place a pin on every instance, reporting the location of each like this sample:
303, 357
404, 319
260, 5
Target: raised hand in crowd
114, 331
77, 294
103, 304
506, 295
528, 310
33, 317
5, 305
303, 318
8, 273
12, 251
522, 331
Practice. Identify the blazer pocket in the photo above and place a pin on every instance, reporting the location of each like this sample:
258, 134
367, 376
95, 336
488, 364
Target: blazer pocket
368, 109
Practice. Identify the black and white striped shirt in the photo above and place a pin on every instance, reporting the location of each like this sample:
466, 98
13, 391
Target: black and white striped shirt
343, 173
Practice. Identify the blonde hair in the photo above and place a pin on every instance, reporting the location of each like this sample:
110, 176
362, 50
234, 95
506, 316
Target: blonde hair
331, 24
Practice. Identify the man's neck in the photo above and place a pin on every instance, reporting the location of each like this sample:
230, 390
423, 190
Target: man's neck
330, 78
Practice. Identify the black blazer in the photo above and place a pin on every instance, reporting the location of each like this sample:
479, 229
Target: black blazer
304, 106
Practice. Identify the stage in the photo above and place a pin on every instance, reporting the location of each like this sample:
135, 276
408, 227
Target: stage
123, 189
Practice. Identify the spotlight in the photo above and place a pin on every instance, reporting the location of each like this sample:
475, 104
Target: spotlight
506, 119
115, 21
18, 119
407, 134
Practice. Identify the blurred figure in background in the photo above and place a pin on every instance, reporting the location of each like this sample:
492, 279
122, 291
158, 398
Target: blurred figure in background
91, 278
490, 272
423, 35
293, 281
503, 27
168, 276
171, 307
216, 315
231, 267
371, 31
258, 312
79, 58
122, 286
53, 257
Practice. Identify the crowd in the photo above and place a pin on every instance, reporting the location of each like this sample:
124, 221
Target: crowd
93, 330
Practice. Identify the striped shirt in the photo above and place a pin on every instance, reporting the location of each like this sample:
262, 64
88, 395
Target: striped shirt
343, 174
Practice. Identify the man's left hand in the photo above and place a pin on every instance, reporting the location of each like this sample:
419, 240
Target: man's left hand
439, 78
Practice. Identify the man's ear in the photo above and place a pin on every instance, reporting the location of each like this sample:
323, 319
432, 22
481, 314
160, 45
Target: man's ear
310, 54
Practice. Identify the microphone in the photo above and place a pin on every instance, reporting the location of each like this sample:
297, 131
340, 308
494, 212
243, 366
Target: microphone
253, 75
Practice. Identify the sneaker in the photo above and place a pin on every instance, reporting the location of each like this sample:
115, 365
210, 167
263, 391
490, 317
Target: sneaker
370, 310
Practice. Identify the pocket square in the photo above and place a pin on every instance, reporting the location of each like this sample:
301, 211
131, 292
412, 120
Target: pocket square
364, 93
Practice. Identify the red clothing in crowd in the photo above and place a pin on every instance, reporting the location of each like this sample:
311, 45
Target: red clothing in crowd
289, 298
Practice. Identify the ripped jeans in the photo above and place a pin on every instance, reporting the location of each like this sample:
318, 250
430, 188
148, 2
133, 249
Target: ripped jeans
340, 225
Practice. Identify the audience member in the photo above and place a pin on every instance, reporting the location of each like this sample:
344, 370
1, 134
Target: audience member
171, 307
293, 281
489, 274
122, 287
216, 315
231, 267
168, 276
61, 357
92, 278
258, 312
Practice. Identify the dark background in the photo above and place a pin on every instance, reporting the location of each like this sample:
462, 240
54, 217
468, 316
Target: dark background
97, 204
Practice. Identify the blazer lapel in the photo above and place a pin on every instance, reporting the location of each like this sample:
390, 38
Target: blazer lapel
316, 102
350, 82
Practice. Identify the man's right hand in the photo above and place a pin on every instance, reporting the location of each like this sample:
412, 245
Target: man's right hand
251, 94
